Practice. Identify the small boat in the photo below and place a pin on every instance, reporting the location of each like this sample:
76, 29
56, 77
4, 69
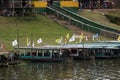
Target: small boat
45, 53
8, 58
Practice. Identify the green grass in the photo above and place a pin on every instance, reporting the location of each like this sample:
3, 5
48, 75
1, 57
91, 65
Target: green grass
115, 13
99, 17
39, 26
30, 27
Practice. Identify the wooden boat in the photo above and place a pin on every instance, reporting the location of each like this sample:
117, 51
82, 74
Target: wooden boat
83, 51
97, 50
8, 58
44, 53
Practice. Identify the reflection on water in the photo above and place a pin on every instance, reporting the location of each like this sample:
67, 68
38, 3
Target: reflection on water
74, 70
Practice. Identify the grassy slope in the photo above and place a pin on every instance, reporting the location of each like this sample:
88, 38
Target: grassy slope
31, 27
100, 17
39, 26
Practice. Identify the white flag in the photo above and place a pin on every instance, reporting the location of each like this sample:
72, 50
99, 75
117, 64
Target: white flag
72, 38
33, 44
39, 41
61, 40
95, 36
14, 43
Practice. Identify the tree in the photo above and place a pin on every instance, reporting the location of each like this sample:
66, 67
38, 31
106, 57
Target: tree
116, 3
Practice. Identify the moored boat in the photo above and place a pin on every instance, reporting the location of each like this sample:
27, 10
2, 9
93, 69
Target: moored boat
44, 53
82, 51
97, 50
107, 50
8, 58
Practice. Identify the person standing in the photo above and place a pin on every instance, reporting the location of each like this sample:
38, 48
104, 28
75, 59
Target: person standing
80, 5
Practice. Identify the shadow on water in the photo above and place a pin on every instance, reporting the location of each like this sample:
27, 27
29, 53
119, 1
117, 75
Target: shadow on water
74, 70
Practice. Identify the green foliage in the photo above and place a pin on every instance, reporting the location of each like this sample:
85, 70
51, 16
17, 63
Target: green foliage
114, 17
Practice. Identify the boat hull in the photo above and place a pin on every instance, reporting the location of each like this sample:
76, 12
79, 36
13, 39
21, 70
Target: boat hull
39, 59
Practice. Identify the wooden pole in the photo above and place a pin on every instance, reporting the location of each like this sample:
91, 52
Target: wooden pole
13, 7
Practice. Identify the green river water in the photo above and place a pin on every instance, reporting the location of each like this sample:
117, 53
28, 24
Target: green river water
70, 70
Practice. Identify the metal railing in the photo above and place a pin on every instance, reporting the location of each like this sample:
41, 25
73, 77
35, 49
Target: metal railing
80, 24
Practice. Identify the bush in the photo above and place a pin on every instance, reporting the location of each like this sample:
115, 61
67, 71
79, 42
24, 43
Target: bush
113, 19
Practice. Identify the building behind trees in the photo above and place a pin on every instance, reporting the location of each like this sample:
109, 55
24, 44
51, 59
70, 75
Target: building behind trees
16, 7
11, 7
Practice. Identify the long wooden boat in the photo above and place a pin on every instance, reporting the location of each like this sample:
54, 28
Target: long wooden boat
44, 53
82, 51
97, 50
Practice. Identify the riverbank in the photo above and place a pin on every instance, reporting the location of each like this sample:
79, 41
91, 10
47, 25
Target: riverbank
100, 16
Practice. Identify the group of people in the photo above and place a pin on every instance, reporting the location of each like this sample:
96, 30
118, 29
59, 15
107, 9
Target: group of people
11, 57
95, 5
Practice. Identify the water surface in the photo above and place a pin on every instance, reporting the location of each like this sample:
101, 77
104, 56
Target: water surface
71, 70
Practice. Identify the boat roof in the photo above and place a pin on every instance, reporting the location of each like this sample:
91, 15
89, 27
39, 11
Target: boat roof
42, 47
109, 45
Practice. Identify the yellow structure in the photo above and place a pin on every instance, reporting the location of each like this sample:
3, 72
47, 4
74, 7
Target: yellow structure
39, 4
68, 3
66, 0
